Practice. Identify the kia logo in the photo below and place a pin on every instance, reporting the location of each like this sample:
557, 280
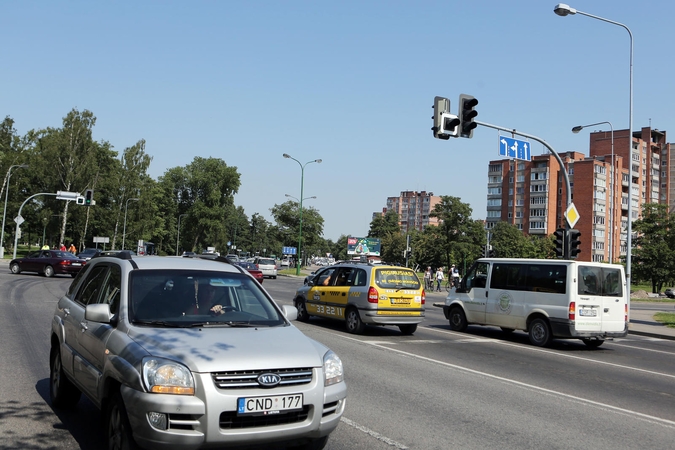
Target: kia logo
269, 379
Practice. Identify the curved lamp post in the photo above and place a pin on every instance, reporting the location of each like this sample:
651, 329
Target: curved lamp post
124, 233
563, 10
302, 181
612, 175
4, 212
178, 237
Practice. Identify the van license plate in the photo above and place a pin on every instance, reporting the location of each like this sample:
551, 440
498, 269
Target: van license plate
588, 312
269, 405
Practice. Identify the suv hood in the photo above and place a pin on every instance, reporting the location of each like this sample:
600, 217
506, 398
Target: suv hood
223, 348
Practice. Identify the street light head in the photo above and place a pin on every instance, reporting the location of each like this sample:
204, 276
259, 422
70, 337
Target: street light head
577, 129
23, 166
563, 10
318, 161
286, 155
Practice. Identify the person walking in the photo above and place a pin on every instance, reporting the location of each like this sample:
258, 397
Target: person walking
428, 283
455, 276
72, 248
439, 279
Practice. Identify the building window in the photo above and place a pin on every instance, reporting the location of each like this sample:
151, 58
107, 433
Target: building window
538, 176
495, 168
537, 225
494, 202
538, 212
537, 200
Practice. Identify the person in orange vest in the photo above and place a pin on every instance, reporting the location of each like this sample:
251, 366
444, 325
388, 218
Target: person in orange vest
72, 248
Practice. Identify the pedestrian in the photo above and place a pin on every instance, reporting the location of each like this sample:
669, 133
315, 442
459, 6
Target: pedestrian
72, 248
428, 284
439, 279
62, 247
455, 276
45, 247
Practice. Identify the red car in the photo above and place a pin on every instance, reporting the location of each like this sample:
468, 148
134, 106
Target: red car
253, 269
48, 263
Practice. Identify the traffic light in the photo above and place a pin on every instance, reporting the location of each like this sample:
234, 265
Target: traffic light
467, 115
560, 243
574, 243
444, 122
89, 197
492, 253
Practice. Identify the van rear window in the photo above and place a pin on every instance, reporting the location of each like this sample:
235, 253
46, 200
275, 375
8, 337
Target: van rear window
602, 281
396, 279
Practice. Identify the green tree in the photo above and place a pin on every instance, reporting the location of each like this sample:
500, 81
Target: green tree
459, 237
287, 218
653, 256
392, 242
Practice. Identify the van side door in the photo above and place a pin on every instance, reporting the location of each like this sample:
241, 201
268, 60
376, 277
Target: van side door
474, 290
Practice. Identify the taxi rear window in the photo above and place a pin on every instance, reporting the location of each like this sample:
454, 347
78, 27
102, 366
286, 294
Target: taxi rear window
396, 278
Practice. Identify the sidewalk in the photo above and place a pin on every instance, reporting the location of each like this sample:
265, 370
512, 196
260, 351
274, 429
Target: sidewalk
641, 316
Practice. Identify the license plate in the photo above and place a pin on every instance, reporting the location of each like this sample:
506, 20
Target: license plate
588, 312
399, 301
76, 264
269, 405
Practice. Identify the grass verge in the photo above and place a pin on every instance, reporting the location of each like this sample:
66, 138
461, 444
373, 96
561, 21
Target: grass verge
668, 319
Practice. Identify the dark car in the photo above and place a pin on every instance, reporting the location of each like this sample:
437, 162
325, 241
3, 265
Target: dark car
48, 263
88, 253
253, 270
670, 292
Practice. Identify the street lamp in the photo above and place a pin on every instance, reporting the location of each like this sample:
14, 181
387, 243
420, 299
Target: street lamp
612, 175
124, 233
302, 181
4, 212
178, 237
562, 9
296, 198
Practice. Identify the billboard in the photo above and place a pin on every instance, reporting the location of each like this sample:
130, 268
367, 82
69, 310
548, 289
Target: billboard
363, 246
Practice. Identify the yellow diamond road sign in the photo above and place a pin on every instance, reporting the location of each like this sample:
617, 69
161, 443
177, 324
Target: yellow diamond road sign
572, 215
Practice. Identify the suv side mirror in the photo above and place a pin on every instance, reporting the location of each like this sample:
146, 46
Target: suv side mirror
98, 312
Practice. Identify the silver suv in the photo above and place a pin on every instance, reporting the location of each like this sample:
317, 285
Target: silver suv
190, 353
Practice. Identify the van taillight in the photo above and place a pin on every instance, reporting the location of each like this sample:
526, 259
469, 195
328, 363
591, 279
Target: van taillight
573, 310
625, 313
424, 297
373, 295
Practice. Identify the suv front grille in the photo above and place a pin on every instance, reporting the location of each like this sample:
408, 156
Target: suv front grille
229, 420
247, 379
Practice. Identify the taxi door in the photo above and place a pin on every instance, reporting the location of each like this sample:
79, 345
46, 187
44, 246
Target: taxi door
329, 296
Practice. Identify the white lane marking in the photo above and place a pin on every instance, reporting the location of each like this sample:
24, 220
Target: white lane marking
374, 434
550, 352
616, 409
644, 349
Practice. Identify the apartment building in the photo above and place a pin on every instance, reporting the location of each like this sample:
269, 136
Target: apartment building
532, 194
413, 209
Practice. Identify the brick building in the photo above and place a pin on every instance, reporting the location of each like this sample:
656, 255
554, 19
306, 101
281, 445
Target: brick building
413, 209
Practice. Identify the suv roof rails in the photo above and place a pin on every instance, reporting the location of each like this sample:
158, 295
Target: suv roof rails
121, 254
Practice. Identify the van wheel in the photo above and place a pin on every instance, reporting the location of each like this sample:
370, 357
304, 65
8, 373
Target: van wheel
507, 330
408, 329
457, 319
303, 316
540, 332
62, 392
118, 429
593, 343
354, 323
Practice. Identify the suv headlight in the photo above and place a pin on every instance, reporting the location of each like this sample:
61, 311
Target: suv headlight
163, 376
332, 369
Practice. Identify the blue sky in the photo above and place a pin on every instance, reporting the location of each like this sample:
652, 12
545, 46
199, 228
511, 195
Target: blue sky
349, 82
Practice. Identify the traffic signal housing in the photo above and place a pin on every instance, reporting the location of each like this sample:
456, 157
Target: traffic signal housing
574, 240
467, 115
560, 240
89, 197
445, 124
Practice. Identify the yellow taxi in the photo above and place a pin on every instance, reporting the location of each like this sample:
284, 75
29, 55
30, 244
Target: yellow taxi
364, 294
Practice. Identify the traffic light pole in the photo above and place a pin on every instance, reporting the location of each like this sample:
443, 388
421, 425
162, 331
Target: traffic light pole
545, 144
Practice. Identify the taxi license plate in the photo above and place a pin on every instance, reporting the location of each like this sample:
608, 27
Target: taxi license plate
269, 405
588, 312
399, 301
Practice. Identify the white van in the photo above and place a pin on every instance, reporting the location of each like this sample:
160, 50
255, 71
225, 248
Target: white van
547, 298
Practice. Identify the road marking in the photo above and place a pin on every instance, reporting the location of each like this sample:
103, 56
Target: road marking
616, 409
374, 434
550, 352
644, 349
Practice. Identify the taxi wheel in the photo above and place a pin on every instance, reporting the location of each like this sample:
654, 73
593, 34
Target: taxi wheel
457, 319
302, 311
539, 332
354, 323
408, 329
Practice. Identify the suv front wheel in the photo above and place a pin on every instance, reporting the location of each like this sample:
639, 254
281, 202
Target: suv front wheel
118, 428
62, 392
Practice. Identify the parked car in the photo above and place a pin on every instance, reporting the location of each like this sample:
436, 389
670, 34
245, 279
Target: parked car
48, 263
189, 254
253, 270
190, 353
267, 265
670, 293
88, 253
363, 294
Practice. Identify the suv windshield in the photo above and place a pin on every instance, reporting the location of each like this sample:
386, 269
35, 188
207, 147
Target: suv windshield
396, 278
195, 298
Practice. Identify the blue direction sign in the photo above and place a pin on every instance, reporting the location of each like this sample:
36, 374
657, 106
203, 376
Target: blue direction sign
289, 250
514, 148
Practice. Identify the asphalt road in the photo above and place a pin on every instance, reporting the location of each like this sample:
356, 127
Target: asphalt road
437, 389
